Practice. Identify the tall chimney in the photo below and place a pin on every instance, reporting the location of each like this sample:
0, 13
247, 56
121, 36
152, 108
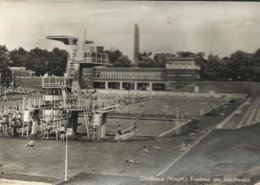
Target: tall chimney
136, 45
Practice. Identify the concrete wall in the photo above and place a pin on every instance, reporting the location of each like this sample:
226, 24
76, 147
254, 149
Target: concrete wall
250, 88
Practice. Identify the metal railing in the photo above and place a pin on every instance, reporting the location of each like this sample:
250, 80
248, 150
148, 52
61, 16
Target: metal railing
89, 57
32, 103
90, 104
74, 103
52, 82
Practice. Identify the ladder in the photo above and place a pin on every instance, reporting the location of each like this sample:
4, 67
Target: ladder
68, 67
95, 128
86, 118
70, 57
64, 95
69, 64
96, 133
25, 129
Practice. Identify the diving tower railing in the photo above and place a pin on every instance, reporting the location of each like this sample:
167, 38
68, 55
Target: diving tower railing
30, 103
89, 57
77, 104
81, 104
56, 82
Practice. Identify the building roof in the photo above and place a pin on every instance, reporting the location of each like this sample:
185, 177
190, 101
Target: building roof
131, 69
179, 59
17, 68
21, 69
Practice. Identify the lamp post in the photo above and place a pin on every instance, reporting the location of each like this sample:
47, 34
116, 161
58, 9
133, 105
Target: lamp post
66, 156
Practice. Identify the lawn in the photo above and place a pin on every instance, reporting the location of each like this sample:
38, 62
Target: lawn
47, 157
110, 158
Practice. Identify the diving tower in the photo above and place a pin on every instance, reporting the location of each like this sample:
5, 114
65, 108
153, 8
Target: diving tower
64, 100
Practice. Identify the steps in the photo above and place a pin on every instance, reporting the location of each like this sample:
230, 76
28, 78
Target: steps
86, 118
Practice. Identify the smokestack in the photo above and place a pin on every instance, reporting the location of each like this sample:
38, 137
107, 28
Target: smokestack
84, 39
136, 45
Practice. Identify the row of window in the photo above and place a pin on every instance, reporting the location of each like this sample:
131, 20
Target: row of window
180, 75
182, 66
129, 75
181, 63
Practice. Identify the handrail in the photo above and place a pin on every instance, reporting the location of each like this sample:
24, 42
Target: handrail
89, 56
74, 103
55, 81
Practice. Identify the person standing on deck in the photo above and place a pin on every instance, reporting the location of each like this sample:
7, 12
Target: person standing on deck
119, 130
62, 133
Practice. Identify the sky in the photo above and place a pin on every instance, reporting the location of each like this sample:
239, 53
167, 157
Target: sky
165, 27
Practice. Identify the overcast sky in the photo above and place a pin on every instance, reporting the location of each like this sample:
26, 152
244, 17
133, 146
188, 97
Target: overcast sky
213, 27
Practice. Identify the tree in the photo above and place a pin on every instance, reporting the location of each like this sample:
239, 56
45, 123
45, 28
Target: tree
256, 64
117, 59
38, 61
239, 65
5, 60
113, 55
146, 61
242, 65
41, 61
57, 62
210, 68
161, 59
123, 61
19, 57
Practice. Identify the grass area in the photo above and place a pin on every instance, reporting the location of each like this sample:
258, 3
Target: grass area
222, 152
47, 157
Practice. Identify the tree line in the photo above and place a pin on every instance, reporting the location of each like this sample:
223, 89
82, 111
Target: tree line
239, 66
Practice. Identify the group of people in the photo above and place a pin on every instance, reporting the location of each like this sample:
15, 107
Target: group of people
10, 119
14, 93
86, 94
47, 130
10, 111
75, 97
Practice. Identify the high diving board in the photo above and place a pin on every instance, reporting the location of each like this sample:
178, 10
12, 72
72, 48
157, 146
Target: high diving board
68, 40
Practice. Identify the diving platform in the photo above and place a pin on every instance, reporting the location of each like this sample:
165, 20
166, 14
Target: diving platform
64, 99
85, 53
68, 40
